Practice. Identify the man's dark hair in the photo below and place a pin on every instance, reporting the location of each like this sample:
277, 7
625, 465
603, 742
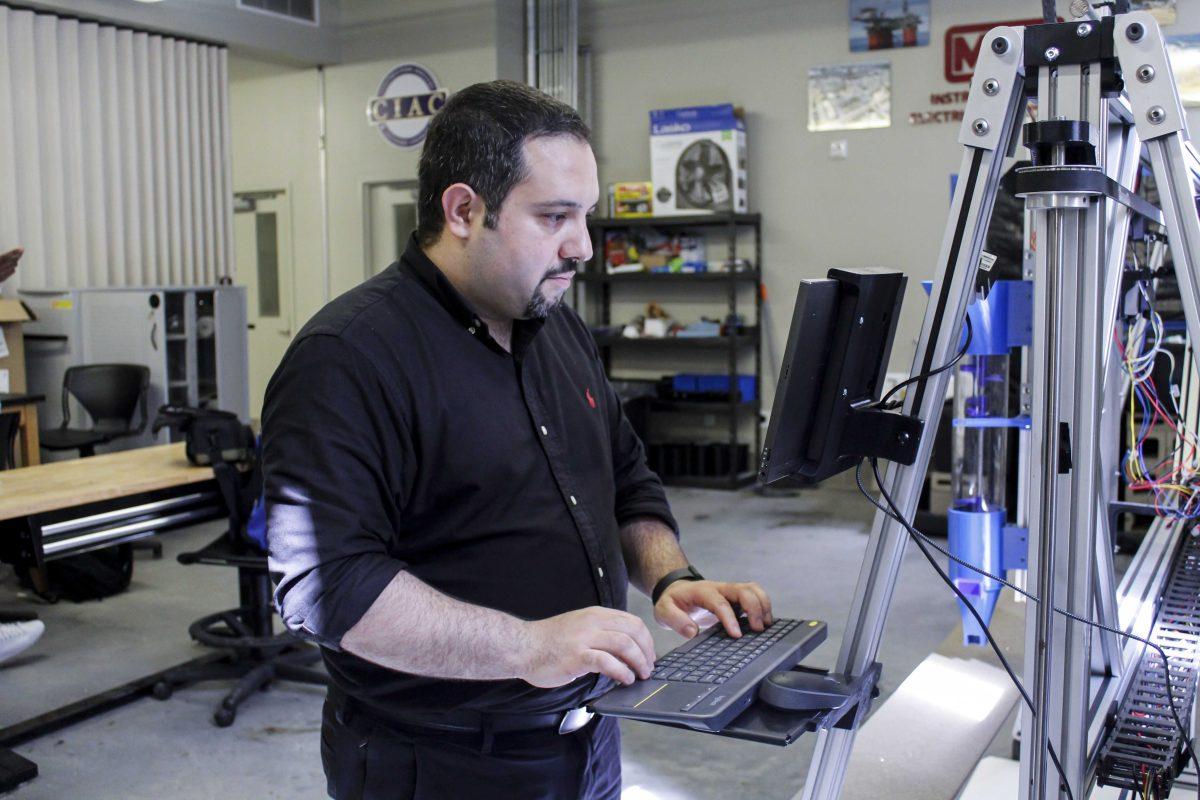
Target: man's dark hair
478, 139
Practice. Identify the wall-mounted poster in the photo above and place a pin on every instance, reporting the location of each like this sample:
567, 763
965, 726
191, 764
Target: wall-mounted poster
1184, 52
849, 96
1163, 10
884, 24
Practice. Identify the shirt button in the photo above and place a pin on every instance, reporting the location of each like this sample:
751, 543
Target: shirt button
471, 331
574, 502
601, 571
544, 431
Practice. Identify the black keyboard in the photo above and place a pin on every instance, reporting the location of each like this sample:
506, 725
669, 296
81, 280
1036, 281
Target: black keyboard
709, 680
719, 657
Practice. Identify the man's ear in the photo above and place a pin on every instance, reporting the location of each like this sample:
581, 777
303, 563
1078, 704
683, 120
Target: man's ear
460, 204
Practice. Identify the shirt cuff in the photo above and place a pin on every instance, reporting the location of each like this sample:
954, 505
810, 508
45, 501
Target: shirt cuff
350, 589
647, 508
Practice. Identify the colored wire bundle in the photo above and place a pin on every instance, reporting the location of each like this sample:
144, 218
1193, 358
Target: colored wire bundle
1172, 479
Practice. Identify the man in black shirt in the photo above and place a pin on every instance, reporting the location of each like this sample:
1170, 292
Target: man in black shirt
456, 502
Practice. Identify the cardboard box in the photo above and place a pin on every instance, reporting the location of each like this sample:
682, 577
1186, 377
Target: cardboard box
698, 160
12, 350
632, 199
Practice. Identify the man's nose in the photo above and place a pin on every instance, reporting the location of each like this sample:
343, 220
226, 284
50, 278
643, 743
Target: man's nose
579, 245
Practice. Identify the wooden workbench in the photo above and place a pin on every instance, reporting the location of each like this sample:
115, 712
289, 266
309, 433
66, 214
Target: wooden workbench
66, 484
53, 510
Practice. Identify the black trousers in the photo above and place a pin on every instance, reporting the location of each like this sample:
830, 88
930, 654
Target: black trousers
366, 761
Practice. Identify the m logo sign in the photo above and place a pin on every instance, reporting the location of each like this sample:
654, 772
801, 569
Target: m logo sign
962, 47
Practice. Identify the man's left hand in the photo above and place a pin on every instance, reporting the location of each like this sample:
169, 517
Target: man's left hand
685, 604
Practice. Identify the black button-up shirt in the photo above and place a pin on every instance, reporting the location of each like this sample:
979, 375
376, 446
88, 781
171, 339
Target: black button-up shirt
397, 435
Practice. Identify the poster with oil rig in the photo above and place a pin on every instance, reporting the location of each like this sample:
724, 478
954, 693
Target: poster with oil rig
885, 24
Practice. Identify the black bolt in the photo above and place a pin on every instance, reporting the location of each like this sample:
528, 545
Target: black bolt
903, 438
1134, 32
1000, 45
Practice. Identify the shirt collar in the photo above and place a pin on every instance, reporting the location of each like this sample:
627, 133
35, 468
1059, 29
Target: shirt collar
417, 264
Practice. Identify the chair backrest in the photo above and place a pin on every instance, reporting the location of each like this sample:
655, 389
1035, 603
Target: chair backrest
110, 393
9, 423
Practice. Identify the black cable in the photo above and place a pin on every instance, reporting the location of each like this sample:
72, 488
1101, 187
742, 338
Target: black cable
920, 538
883, 402
1049, 13
983, 626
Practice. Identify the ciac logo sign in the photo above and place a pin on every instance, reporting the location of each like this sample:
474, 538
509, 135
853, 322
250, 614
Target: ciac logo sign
962, 47
408, 98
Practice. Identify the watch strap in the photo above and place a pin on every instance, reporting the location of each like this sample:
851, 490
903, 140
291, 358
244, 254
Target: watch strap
688, 573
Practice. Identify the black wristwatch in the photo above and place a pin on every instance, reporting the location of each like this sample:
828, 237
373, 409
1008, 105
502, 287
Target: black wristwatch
688, 573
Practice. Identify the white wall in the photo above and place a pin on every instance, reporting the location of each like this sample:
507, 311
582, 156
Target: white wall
275, 129
885, 205
273, 115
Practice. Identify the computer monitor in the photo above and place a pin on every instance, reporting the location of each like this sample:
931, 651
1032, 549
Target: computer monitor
834, 366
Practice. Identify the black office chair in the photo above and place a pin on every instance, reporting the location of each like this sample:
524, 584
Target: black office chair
9, 424
255, 654
111, 394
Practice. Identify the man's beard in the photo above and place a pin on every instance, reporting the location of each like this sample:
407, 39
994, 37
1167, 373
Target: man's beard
539, 307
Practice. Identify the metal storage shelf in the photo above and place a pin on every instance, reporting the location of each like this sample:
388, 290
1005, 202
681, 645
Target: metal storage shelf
592, 295
677, 221
748, 276
740, 340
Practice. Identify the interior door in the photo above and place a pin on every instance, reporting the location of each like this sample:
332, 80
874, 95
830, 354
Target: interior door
262, 235
391, 219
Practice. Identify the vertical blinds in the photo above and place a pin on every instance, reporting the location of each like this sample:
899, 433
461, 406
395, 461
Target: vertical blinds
114, 155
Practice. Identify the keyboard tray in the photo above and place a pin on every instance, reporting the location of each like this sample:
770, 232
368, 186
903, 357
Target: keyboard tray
769, 725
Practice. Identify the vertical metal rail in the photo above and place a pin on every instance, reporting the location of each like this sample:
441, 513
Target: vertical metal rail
1122, 160
1067, 354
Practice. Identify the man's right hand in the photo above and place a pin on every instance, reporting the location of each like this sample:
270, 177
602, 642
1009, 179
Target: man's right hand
560, 649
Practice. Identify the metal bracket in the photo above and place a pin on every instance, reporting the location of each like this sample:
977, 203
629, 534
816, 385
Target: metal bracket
881, 434
999, 67
1157, 110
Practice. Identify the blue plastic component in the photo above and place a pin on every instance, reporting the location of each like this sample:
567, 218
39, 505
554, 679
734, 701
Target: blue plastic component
1015, 553
1023, 421
977, 537
1002, 320
693, 383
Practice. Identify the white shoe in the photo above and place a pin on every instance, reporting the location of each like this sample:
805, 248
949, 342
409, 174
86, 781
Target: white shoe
16, 637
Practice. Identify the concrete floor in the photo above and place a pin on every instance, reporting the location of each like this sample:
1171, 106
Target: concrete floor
804, 549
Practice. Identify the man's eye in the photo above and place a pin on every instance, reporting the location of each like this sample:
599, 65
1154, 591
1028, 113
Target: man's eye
557, 218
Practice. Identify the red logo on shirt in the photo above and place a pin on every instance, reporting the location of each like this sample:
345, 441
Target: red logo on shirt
591, 400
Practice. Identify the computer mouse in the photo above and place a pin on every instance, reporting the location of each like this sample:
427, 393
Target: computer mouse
803, 691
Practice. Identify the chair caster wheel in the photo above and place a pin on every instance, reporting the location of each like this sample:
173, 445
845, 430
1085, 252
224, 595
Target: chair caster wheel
224, 717
162, 691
